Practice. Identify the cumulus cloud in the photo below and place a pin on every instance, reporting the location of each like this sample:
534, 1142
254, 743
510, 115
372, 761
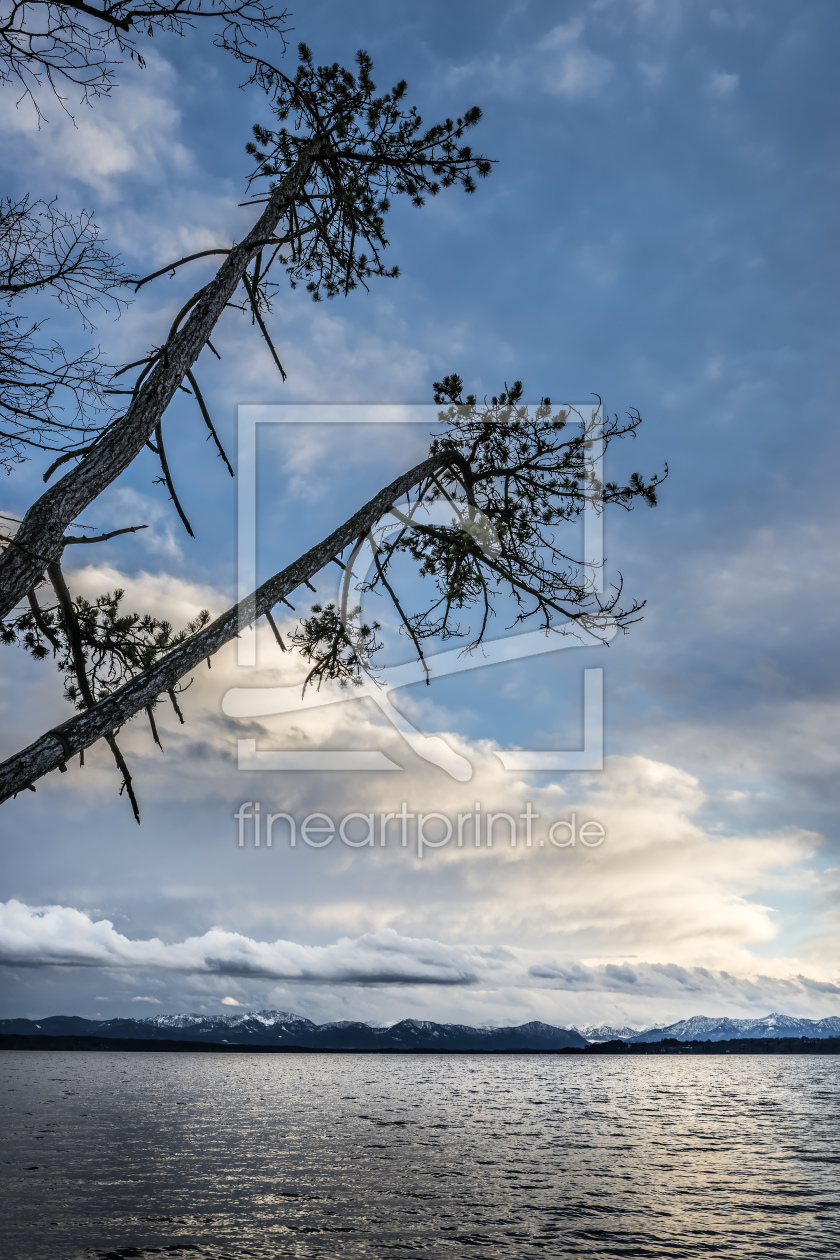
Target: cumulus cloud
33, 936
162, 594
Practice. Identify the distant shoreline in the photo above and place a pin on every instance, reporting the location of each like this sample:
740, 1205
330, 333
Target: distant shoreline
755, 1045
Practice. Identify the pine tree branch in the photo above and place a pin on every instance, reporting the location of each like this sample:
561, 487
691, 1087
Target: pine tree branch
85, 728
80, 670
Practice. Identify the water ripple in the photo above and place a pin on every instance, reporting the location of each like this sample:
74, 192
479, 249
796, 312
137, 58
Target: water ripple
120, 1156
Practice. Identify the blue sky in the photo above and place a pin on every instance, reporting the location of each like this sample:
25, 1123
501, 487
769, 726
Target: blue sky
659, 230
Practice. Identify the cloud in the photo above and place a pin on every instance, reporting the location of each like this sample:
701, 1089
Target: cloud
59, 936
560, 63
671, 884
566, 66
162, 594
671, 980
132, 133
721, 84
121, 505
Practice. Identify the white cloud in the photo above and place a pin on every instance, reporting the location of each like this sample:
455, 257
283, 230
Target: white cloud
131, 133
122, 506
562, 35
566, 66
61, 936
721, 84
161, 594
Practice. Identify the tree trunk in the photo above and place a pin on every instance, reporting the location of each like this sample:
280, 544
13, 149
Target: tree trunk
40, 538
79, 732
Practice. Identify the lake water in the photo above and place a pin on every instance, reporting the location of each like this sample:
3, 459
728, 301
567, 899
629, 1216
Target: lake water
305, 1155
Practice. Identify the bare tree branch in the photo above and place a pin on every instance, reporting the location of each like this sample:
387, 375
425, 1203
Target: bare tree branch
170, 267
207, 420
61, 43
254, 300
44, 248
275, 631
45, 523
48, 401
114, 533
160, 450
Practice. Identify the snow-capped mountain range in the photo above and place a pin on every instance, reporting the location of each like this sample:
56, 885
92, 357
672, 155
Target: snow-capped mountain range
597, 1033
268, 1019
706, 1028
284, 1028
716, 1028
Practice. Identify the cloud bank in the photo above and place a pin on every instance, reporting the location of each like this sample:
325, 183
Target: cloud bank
60, 936
50, 936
